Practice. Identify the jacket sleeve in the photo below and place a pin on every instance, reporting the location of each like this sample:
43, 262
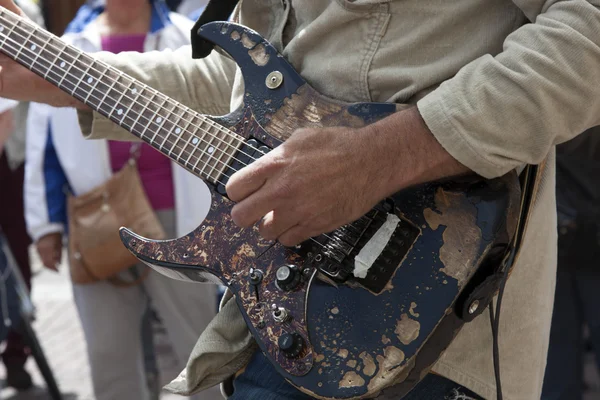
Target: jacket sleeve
501, 112
203, 85
45, 180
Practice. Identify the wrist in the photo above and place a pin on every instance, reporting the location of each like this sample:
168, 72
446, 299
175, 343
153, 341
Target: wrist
409, 153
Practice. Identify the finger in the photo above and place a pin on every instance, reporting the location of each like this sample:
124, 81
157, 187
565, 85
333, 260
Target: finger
245, 182
275, 223
11, 6
52, 266
297, 234
252, 177
253, 208
48, 262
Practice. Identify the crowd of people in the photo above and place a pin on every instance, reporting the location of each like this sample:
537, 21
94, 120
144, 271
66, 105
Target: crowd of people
45, 160
46, 165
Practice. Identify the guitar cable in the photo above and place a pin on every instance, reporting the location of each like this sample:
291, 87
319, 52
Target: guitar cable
529, 180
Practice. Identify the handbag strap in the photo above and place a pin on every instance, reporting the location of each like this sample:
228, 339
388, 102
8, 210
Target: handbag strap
116, 280
119, 282
135, 152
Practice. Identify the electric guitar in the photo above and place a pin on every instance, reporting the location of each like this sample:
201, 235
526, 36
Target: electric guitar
344, 314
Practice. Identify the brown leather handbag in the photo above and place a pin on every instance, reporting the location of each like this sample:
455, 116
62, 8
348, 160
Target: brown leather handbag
95, 249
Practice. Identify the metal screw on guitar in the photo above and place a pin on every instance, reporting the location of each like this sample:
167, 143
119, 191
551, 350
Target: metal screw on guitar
473, 307
274, 80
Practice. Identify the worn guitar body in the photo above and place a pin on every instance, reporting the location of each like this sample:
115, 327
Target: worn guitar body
328, 332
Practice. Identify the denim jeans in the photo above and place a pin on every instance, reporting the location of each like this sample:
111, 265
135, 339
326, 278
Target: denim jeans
576, 302
260, 381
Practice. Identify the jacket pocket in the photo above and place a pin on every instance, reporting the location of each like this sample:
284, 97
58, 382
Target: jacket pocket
362, 5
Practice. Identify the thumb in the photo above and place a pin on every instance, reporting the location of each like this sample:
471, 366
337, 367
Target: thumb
11, 6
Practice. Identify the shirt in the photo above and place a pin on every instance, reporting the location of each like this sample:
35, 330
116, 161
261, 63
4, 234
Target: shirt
499, 83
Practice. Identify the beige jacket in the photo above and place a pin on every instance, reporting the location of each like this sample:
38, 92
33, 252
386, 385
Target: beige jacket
498, 82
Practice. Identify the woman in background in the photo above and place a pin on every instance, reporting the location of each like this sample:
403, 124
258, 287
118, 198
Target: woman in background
58, 158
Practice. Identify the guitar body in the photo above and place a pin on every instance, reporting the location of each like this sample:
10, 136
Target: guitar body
329, 332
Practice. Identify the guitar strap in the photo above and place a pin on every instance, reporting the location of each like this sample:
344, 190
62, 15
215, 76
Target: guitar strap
216, 10
530, 181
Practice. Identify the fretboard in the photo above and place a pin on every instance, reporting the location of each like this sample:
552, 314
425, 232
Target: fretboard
192, 140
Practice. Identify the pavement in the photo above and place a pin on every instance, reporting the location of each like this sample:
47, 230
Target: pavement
58, 329
60, 334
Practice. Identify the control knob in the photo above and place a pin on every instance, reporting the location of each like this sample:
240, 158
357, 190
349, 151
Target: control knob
288, 277
290, 344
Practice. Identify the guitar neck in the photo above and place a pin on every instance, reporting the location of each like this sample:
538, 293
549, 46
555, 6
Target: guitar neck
192, 140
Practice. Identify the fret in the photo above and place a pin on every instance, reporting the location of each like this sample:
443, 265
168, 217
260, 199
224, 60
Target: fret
110, 88
212, 149
41, 59
209, 146
168, 120
190, 139
141, 113
177, 131
83, 75
94, 79
118, 104
158, 120
8, 34
222, 163
56, 58
42, 49
183, 132
68, 71
26, 39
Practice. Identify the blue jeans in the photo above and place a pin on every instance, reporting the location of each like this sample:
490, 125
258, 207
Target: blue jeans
260, 381
576, 302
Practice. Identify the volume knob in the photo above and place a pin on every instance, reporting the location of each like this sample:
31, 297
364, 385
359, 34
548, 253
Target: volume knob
288, 277
290, 344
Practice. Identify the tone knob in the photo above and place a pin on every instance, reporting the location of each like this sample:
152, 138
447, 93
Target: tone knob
290, 344
288, 277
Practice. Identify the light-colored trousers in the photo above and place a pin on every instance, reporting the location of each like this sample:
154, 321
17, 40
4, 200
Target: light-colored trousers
111, 318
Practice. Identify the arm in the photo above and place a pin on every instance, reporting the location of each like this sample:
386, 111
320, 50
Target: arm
45, 181
501, 112
7, 125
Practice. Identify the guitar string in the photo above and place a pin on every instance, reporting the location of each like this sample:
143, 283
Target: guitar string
150, 100
141, 114
194, 161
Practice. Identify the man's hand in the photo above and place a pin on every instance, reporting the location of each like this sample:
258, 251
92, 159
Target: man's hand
17, 82
321, 179
7, 125
49, 248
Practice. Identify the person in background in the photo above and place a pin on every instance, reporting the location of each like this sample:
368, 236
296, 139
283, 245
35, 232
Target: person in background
577, 298
59, 158
191, 7
12, 221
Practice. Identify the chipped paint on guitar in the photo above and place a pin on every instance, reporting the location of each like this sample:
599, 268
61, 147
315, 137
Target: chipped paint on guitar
330, 332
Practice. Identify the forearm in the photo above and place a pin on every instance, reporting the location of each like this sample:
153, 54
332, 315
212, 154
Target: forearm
423, 157
501, 112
